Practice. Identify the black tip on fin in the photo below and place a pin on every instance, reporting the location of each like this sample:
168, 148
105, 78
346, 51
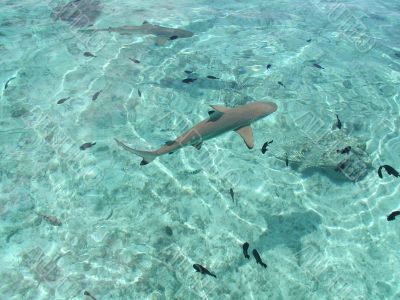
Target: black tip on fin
214, 115
145, 22
143, 162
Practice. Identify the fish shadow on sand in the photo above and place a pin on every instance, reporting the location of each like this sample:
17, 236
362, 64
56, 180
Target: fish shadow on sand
78, 13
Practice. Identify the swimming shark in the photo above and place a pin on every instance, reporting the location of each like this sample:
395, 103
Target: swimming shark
163, 34
221, 120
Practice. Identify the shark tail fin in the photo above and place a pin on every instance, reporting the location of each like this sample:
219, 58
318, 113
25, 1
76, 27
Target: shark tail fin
148, 156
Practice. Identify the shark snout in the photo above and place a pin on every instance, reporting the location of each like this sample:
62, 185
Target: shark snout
184, 33
263, 109
270, 107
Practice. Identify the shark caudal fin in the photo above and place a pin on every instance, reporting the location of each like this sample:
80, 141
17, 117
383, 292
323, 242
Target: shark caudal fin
147, 156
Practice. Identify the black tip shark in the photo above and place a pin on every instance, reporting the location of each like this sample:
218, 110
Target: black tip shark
202, 270
163, 34
220, 121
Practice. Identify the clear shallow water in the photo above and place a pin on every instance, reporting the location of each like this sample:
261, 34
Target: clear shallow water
322, 236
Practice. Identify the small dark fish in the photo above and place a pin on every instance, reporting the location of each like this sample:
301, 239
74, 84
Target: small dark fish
86, 293
258, 258
269, 66
345, 150
61, 101
188, 72
286, 160
8, 81
194, 172
340, 166
139, 93
380, 172
88, 54
390, 170
174, 37
309, 40
51, 220
232, 194
202, 270
109, 215
86, 146
338, 123
318, 66
168, 230
97, 94
189, 80
264, 147
212, 77
281, 84
134, 60
245, 249
393, 215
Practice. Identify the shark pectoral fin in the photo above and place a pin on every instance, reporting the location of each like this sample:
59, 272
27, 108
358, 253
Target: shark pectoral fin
220, 108
198, 146
214, 115
247, 135
161, 41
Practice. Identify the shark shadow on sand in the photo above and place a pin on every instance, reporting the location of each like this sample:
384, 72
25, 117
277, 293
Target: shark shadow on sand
288, 230
78, 13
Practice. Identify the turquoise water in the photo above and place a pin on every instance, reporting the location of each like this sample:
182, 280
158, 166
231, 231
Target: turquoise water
134, 232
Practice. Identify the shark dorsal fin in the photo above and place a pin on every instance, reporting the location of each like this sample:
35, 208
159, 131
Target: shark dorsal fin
145, 22
247, 135
214, 115
220, 108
